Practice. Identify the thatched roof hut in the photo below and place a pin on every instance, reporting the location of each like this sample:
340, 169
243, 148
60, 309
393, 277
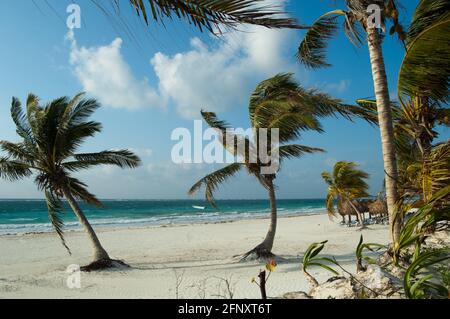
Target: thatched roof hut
378, 207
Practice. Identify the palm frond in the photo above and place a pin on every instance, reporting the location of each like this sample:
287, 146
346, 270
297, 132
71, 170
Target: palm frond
295, 151
13, 170
425, 70
18, 151
120, 158
213, 180
312, 50
55, 208
79, 191
427, 13
211, 14
20, 119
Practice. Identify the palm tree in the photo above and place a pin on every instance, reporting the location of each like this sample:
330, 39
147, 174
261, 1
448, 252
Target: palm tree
423, 85
356, 21
278, 103
345, 184
50, 136
207, 14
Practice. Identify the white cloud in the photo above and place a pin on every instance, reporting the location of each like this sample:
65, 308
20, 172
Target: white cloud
142, 152
104, 74
215, 77
339, 87
222, 77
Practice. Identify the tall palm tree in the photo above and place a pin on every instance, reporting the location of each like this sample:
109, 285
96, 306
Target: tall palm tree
357, 20
211, 15
345, 184
50, 136
424, 93
278, 103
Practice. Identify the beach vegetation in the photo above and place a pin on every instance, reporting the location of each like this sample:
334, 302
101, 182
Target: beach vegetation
345, 184
50, 137
357, 21
311, 258
280, 104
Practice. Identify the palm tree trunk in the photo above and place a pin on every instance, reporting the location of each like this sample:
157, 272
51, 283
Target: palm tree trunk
386, 128
100, 253
270, 237
358, 213
264, 250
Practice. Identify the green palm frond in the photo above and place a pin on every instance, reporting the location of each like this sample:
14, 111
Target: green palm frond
213, 121
425, 70
280, 102
346, 182
18, 151
13, 170
121, 158
427, 13
312, 50
55, 208
295, 151
50, 136
20, 119
329, 203
79, 191
211, 14
212, 181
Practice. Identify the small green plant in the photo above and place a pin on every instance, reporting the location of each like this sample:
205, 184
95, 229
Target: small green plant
421, 282
310, 259
415, 229
373, 247
444, 271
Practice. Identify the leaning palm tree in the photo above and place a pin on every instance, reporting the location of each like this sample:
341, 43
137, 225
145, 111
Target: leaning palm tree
358, 20
345, 184
279, 105
211, 15
50, 136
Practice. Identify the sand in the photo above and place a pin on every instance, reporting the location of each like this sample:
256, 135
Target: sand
195, 258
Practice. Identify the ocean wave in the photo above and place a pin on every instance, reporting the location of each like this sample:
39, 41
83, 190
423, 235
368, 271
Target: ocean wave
158, 220
23, 219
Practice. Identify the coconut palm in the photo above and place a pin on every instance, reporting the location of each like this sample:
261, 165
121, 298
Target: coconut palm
424, 77
211, 15
345, 184
50, 136
356, 21
278, 103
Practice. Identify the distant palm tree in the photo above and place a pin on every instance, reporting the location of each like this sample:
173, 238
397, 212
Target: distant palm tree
208, 14
50, 136
356, 21
277, 103
345, 184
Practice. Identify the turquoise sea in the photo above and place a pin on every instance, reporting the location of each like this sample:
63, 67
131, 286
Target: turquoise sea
25, 216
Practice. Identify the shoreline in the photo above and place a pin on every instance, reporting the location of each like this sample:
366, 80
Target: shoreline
102, 228
34, 266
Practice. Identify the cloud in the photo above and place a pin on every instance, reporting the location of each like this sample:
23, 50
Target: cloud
142, 152
104, 74
216, 76
220, 77
339, 87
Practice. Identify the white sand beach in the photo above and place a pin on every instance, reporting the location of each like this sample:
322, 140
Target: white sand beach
34, 266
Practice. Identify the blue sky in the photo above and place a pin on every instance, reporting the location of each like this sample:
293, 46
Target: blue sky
158, 78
